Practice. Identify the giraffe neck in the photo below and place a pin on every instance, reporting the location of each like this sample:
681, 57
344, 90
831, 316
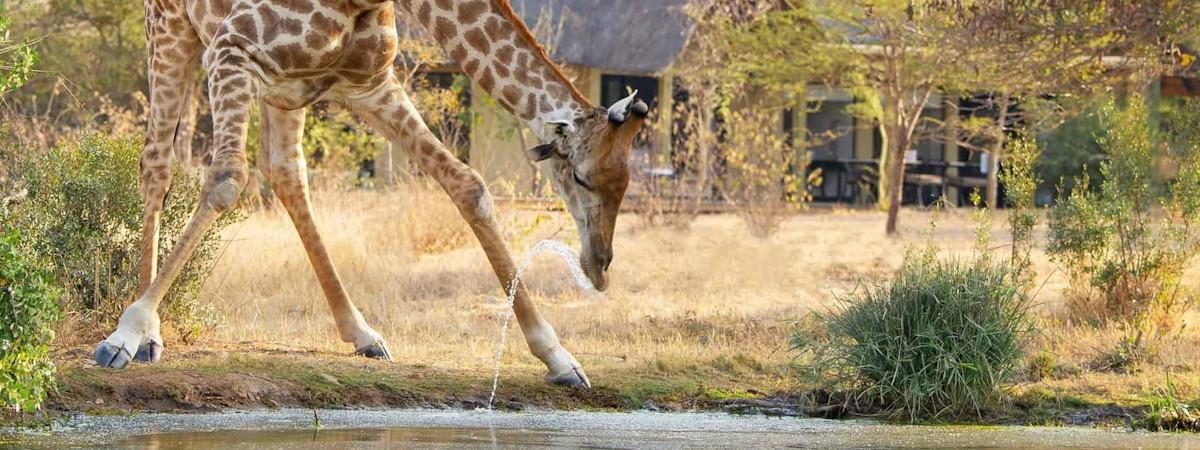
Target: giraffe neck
496, 49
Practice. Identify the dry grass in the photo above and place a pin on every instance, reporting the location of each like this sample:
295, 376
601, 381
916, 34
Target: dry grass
707, 300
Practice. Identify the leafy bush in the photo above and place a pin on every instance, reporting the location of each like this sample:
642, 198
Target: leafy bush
29, 306
760, 179
84, 215
1124, 246
939, 339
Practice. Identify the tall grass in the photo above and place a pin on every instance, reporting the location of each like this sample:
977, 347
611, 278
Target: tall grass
939, 339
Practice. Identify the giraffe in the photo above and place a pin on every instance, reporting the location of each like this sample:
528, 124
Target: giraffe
288, 54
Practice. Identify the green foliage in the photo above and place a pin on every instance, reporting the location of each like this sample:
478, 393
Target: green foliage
16, 58
939, 339
84, 215
1071, 151
760, 177
334, 139
1021, 181
99, 46
29, 307
1125, 245
1166, 412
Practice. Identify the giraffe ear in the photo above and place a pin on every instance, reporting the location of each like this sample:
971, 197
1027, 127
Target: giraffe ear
542, 152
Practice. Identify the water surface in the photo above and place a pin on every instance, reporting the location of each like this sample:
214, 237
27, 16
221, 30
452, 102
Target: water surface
372, 429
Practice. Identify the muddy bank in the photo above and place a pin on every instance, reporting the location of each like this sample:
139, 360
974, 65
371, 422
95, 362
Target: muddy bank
199, 380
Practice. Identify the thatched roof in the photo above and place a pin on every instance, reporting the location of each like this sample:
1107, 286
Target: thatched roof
626, 36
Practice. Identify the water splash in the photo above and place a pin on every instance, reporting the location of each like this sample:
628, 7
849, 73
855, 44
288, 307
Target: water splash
568, 255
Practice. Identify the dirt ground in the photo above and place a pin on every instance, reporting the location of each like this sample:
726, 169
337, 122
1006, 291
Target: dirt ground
694, 318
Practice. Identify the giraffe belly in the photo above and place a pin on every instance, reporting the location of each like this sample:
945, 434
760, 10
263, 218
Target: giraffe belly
292, 94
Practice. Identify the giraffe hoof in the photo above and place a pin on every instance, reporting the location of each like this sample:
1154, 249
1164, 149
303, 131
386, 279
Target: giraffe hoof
150, 352
111, 356
378, 350
574, 378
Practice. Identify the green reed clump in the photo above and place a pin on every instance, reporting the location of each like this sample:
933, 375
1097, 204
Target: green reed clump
939, 339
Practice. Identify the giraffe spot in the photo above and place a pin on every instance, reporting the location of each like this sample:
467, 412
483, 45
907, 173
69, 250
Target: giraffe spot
471, 67
317, 41
291, 27
325, 25
244, 25
501, 70
459, 54
423, 14
497, 29
511, 94
296, 6
445, 5
290, 56
443, 30
543, 104
476, 38
487, 81
470, 11
504, 54
530, 107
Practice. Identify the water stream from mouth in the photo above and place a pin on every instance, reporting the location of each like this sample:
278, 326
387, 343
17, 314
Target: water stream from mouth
568, 255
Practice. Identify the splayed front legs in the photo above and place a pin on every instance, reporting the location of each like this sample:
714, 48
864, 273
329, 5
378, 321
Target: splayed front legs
388, 110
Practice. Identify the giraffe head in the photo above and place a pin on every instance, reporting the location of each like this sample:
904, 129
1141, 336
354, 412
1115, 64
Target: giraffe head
587, 161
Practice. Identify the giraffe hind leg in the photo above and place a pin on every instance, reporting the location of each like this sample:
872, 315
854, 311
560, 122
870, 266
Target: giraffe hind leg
286, 170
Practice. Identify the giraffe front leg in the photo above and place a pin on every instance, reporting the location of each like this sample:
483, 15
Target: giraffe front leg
388, 110
281, 134
232, 91
173, 60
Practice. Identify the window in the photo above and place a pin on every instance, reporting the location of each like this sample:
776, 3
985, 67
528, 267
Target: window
617, 87
831, 130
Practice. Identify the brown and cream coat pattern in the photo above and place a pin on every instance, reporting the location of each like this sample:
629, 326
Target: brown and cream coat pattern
287, 54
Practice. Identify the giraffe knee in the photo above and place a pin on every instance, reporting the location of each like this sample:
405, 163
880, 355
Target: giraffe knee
473, 199
224, 189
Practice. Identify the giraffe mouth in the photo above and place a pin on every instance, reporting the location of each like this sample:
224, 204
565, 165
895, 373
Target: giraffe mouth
595, 273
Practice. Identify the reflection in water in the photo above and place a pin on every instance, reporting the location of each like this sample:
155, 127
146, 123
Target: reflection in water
762, 433
416, 438
438, 429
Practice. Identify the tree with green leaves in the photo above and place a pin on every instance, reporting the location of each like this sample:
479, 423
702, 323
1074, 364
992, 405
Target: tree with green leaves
894, 55
1031, 64
883, 51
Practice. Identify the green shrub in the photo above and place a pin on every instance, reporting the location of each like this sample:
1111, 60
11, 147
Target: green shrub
1166, 412
29, 306
84, 215
1125, 245
939, 339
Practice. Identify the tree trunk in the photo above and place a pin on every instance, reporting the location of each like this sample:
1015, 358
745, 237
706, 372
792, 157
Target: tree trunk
895, 172
997, 152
